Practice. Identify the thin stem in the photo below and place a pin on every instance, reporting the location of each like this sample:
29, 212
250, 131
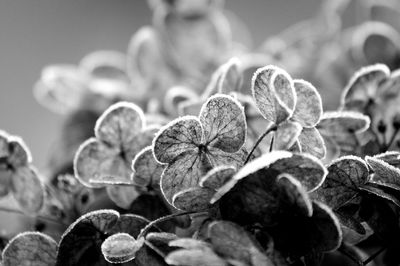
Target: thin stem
271, 144
46, 218
373, 256
144, 231
270, 128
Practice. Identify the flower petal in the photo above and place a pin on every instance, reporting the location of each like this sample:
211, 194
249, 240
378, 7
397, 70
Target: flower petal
311, 142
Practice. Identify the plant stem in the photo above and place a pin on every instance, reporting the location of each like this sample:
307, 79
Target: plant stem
270, 128
144, 231
49, 219
373, 256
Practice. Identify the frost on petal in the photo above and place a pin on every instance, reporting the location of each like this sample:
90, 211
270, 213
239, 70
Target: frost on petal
122, 195
306, 168
335, 123
274, 93
119, 124
311, 142
80, 243
230, 77
286, 135
308, 110
139, 142
345, 176
224, 123
217, 176
178, 136
390, 157
193, 199
384, 173
30, 248
363, 87
27, 189
146, 170
120, 248
183, 173
218, 157
94, 160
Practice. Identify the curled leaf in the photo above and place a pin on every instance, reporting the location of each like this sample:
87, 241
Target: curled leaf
193, 199
30, 248
274, 93
308, 109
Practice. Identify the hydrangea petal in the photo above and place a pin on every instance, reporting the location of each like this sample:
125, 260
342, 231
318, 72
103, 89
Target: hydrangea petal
193, 199
224, 123
311, 142
178, 136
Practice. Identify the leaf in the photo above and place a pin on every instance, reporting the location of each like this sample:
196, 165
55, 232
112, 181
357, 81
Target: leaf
193, 199
286, 135
311, 142
120, 248
230, 77
380, 192
30, 248
159, 242
95, 160
114, 126
308, 109
363, 86
183, 173
274, 93
80, 243
217, 177
116, 144
218, 157
224, 123
390, 157
301, 235
231, 241
146, 170
129, 223
122, 195
307, 169
175, 138
384, 173
194, 257
28, 189
342, 184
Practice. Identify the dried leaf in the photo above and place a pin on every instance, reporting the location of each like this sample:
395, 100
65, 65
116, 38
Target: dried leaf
218, 157
308, 109
217, 177
384, 173
120, 248
193, 199
224, 123
30, 248
178, 136
311, 142
80, 244
232, 242
274, 93
183, 173
363, 86
28, 189
146, 170
342, 184
286, 135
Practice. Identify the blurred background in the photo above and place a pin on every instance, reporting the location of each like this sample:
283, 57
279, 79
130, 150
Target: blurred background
36, 33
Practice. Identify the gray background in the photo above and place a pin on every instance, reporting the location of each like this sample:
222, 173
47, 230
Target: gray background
35, 33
